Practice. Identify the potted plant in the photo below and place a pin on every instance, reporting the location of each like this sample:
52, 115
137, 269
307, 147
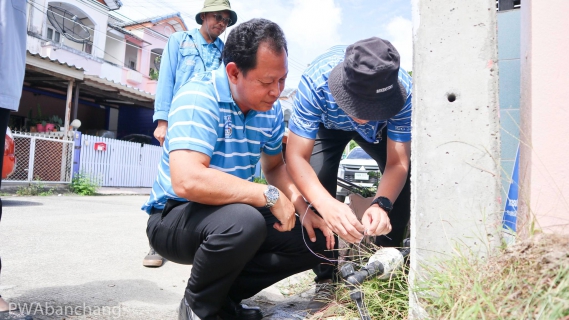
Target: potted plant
53, 122
40, 121
40, 126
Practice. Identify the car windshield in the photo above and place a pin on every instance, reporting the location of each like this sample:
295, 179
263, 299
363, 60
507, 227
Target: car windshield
358, 153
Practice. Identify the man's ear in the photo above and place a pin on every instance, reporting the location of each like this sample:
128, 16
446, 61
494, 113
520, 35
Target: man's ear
202, 16
233, 73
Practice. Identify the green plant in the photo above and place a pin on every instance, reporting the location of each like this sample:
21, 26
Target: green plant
154, 74
353, 144
37, 188
260, 180
83, 184
55, 120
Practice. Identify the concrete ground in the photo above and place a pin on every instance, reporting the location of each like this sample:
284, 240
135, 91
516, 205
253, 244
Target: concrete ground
73, 257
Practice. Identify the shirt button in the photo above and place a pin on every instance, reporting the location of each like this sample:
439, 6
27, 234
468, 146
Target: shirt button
239, 112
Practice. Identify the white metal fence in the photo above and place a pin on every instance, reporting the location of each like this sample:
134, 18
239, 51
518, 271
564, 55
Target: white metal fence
46, 158
116, 163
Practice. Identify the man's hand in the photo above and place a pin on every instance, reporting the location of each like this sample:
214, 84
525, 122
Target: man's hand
160, 132
310, 221
376, 221
341, 220
284, 211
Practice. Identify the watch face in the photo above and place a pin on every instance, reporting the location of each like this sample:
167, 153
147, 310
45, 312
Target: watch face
384, 203
272, 194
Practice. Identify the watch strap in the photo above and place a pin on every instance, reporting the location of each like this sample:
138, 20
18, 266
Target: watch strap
384, 203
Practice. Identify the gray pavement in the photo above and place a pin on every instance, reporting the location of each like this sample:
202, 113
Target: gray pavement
73, 257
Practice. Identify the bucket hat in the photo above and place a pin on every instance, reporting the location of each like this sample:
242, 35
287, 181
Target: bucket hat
217, 5
366, 84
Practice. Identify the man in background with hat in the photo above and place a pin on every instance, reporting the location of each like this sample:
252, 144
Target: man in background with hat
188, 53
358, 93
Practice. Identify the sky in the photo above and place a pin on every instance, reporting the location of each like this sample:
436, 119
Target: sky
310, 26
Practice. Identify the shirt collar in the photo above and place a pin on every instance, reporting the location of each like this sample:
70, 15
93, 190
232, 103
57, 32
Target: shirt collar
221, 85
198, 36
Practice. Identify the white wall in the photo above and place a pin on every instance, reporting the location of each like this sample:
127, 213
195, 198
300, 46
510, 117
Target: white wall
115, 47
131, 54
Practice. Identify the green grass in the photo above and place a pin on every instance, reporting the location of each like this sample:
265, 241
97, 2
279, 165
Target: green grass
529, 280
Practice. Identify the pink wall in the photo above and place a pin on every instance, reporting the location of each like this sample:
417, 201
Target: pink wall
544, 160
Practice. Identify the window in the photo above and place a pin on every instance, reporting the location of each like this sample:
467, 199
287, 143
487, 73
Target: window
53, 35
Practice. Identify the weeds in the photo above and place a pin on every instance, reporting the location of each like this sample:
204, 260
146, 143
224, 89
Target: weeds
38, 188
384, 299
84, 185
527, 281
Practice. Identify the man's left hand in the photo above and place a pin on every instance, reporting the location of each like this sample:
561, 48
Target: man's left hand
376, 221
311, 221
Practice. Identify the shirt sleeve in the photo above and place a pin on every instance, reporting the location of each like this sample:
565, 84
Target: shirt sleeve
307, 110
399, 127
167, 79
274, 144
193, 121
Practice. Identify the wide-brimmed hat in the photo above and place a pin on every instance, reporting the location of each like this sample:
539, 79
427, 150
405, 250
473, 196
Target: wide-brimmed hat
366, 84
217, 5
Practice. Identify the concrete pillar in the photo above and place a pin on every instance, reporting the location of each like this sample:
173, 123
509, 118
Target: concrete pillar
544, 150
456, 144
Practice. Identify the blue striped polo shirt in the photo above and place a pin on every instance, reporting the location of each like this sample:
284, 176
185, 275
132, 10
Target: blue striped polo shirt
314, 104
205, 118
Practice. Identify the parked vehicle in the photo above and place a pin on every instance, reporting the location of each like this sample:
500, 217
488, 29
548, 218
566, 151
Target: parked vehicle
9, 162
136, 137
355, 168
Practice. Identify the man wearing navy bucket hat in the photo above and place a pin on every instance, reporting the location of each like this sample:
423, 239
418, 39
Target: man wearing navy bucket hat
359, 93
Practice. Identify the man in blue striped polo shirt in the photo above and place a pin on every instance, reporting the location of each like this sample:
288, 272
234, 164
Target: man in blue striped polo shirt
355, 93
188, 53
240, 236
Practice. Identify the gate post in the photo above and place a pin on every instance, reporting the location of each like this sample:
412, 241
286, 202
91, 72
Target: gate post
32, 159
76, 153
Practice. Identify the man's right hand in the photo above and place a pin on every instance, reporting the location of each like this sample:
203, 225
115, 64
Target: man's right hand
341, 220
284, 211
160, 132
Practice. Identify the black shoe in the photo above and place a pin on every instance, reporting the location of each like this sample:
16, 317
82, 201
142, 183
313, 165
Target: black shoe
234, 311
185, 312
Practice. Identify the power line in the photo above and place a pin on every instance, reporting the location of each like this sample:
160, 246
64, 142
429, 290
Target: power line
94, 30
294, 63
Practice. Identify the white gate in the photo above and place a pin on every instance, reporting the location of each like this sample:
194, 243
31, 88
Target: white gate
45, 158
116, 163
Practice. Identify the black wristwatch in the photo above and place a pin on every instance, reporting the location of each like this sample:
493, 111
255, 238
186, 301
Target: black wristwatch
383, 203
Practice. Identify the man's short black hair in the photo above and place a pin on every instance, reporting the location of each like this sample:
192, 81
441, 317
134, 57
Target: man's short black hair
244, 40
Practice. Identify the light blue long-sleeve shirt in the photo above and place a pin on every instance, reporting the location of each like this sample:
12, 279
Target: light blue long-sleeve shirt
186, 54
12, 52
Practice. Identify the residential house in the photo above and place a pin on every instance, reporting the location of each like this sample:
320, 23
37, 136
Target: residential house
85, 61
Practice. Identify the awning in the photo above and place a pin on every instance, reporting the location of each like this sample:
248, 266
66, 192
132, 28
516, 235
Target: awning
53, 67
123, 90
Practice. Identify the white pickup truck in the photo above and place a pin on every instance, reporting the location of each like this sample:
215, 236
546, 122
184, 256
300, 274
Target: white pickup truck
354, 168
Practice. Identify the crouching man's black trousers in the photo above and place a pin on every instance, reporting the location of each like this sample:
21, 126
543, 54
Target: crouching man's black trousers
234, 250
